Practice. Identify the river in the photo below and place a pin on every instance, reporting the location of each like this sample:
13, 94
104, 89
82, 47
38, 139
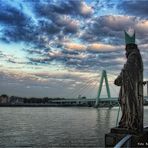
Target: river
56, 126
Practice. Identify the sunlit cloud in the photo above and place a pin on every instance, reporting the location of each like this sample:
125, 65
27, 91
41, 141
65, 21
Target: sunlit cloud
85, 9
103, 47
75, 46
142, 27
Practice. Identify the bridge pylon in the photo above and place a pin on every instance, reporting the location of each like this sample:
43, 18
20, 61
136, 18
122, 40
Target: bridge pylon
104, 76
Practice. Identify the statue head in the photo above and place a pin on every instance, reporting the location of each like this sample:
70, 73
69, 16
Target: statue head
130, 41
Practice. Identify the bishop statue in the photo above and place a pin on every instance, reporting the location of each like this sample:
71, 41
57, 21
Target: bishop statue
130, 81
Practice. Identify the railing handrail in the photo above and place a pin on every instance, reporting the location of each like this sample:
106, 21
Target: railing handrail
146, 126
123, 141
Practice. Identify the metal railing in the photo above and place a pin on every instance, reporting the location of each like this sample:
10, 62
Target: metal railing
124, 142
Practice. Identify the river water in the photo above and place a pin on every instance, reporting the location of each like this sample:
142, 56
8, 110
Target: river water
56, 126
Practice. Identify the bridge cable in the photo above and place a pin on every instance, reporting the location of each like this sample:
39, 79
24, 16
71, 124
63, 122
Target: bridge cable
85, 87
85, 83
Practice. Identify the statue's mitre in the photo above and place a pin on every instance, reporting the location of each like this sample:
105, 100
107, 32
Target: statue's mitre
129, 39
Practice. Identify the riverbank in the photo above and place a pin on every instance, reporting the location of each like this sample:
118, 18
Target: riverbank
44, 105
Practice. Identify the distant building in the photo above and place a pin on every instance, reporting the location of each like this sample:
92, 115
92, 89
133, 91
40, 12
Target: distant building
81, 97
4, 99
16, 100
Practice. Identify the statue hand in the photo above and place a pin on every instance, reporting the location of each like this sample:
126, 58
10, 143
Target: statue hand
118, 81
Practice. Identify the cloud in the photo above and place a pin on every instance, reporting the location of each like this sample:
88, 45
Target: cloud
74, 46
65, 75
12, 16
73, 7
1, 54
10, 58
66, 43
42, 33
37, 51
85, 10
134, 7
68, 24
83, 57
108, 29
92, 47
17, 26
99, 47
142, 29
47, 27
17, 83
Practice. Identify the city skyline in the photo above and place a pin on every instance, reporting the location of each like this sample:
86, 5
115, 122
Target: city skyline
54, 48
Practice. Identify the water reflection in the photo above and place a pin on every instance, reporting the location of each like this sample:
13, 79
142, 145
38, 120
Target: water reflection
46, 127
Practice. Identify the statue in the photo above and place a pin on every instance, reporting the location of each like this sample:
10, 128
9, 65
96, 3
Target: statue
131, 92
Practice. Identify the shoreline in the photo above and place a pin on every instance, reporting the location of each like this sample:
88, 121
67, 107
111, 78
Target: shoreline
54, 105
41, 105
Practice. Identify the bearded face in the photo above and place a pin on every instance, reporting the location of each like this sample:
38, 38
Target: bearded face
130, 48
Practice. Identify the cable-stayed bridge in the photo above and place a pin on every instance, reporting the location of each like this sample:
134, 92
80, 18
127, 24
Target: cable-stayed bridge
78, 95
95, 91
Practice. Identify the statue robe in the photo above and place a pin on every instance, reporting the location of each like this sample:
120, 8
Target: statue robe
131, 92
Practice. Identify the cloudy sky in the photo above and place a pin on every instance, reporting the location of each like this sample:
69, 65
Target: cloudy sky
58, 48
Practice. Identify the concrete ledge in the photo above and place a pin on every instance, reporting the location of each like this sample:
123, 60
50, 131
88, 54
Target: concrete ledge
117, 134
